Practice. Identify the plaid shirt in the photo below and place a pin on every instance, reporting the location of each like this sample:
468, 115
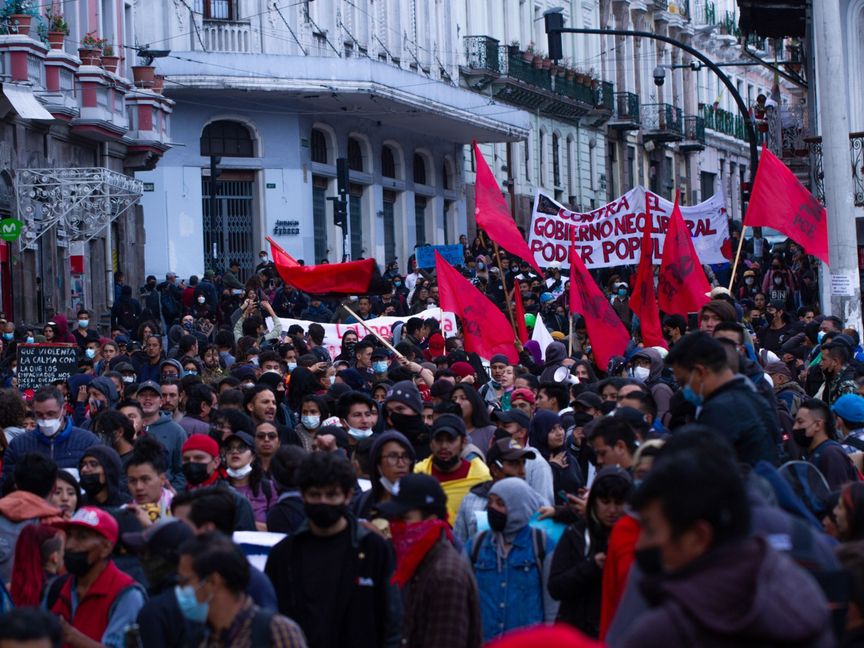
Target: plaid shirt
442, 606
284, 633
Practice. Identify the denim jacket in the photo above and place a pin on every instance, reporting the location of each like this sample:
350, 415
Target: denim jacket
513, 594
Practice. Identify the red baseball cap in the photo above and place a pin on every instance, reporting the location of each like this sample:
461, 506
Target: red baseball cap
94, 519
202, 442
523, 394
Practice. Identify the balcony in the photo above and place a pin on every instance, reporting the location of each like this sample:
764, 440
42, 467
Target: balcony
662, 123
694, 134
229, 36
723, 122
604, 103
625, 116
482, 55
856, 148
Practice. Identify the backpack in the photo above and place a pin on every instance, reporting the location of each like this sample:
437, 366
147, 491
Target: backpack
538, 541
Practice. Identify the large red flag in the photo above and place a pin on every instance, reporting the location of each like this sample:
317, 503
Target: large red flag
349, 278
605, 331
519, 307
780, 201
485, 328
643, 301
493, 215
682, 284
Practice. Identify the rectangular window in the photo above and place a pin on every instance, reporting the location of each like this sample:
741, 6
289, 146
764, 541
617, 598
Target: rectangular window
420, 219
707, 182
630, 180
216, 9
389, 225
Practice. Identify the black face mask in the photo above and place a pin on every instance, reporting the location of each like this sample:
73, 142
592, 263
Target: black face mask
801, 438
324, 515
90, 484
649, 561
195, 473
497, 520
77, 563
446, 466
411, 425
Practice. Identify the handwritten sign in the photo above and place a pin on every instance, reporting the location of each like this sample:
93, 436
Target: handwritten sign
42, 364
453, 254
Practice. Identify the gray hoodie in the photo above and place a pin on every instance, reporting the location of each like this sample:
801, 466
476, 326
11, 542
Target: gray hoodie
172, 437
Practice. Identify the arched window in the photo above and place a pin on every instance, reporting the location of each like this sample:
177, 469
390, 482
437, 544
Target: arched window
388, 162
227, 139
355, 154
419, 169
318, 143
556, 161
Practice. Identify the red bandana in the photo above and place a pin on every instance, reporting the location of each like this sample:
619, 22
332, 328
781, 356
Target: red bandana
412, 542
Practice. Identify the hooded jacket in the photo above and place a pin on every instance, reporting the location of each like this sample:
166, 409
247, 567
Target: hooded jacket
118, 493
523, 601
660, 391
555, 354
364, 505
740, 594
172, 437
66, 447
569, 479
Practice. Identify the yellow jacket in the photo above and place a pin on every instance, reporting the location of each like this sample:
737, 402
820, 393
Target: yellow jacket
456, 489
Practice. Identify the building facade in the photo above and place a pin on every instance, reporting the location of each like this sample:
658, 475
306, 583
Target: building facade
268, 98
73, 128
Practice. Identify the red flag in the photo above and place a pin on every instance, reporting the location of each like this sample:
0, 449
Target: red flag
493, 215
683, 287
520, 312
605, 331
485, 328
643, 301
349, 278
780, 201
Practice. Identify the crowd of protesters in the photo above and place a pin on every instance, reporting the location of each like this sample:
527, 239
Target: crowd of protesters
702, 493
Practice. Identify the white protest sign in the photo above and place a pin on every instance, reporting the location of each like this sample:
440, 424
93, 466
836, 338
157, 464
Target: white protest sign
612, 234
383, 326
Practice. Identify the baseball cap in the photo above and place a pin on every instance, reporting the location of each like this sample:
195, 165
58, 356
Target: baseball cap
589, 399
124, 366
849, 407
450, 423
243, 436
202, 442
523, 393
163, 538
151, 385
512, 416
416, 491
507, 450
462, 369
93, 519
174, 363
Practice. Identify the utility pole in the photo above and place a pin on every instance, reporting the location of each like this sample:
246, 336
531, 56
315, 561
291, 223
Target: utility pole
840, 286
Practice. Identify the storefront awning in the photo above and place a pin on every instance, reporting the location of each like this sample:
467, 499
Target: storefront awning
24, 102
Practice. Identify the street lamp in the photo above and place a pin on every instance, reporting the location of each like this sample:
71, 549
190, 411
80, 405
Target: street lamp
554, 23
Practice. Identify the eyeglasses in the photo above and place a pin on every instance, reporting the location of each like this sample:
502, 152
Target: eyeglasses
240, 449
394, 459
268, 436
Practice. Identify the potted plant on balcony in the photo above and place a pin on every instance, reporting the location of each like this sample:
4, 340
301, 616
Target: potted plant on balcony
58, 29
528, 54
110, 60
17, 15
143, 75
158, 83
90, 51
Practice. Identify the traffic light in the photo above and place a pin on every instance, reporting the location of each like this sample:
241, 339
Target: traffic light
340, 211
553, 21
342, 177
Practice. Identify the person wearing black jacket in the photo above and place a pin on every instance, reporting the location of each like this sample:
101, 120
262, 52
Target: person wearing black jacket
332, 575
100, 478
287, 514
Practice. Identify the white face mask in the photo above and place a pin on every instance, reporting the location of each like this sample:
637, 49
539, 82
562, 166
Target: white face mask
641, 373
291, 366
387, 484
202, 299
332, 379
359, 434
239, 473
310, 422
128, 379
49, 427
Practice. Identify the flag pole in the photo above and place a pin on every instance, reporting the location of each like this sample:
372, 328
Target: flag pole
373, 332
737, 256
570, 337
504, 287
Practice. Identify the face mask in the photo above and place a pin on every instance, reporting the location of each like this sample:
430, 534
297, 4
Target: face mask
82, 323
263, 258
30, 339
95, 405
379, 367
332, 379
446, 466
691, 396
292, 366
77, 563
202, 299
324, 515
49, 427
190, 607
820, 336
397, 283
748, 281
411, 425
649, 561
128, 379
801, 438
641, 373
622, 292
359, 434
239, 473
349, 347
497, 520
254, 361
310, 422
481, 266
90, 484
90, 353
8, 336
778, 281
195, 473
